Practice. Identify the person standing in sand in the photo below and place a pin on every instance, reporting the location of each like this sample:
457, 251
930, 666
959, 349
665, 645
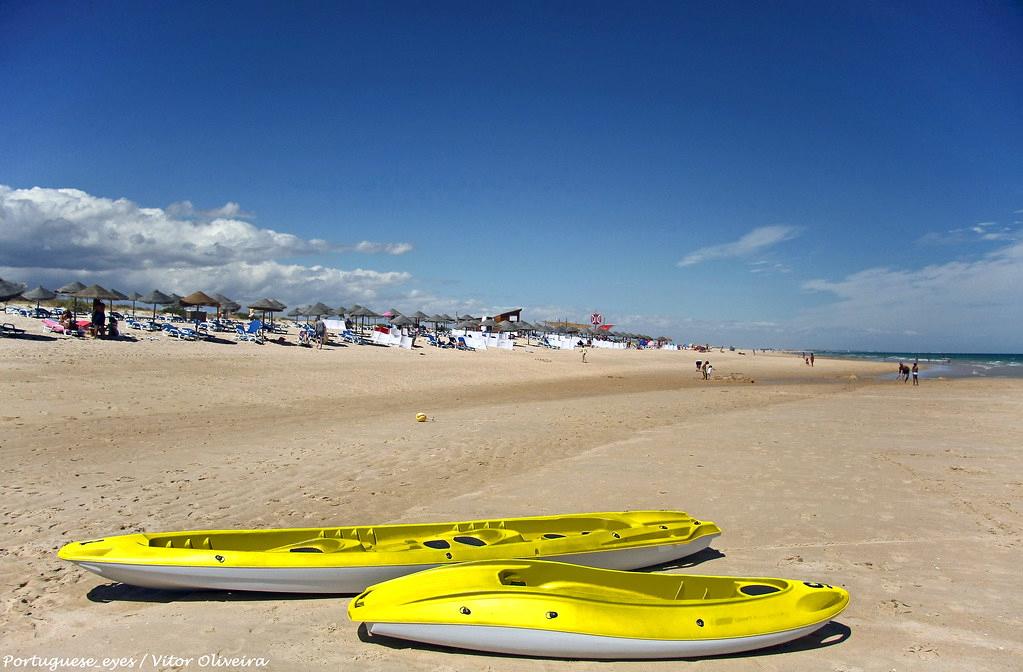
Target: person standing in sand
99, 319
811, 359
705, 369
321, 333
916, 373
584, 354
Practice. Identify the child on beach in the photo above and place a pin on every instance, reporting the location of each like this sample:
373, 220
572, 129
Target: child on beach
916, 373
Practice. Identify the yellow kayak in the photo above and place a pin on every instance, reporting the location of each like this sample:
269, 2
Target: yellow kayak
347, 559
539, 608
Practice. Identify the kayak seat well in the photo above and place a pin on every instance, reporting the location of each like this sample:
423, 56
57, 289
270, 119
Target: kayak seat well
319, 545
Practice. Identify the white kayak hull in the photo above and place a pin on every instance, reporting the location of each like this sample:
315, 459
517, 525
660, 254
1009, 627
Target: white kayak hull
348, 579
554, 644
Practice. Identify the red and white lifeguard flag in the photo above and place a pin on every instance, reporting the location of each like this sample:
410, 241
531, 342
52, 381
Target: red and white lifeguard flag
596, 318
606, 327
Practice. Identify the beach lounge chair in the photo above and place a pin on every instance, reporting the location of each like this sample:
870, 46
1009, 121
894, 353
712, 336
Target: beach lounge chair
433, 340
8, 329
52, 326
350, 336
253, 333
462, 345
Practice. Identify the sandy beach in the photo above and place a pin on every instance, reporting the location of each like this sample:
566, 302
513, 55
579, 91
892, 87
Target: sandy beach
908, 497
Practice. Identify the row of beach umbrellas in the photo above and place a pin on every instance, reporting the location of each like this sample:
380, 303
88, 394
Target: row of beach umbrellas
77, 290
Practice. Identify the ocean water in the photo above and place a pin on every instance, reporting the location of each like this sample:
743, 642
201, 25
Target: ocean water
947, 364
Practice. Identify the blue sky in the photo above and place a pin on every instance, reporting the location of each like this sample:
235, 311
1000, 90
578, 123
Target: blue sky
789, 174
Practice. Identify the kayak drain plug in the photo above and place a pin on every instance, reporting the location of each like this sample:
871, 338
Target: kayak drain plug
551, 614
699, 622
219, 558
464, 611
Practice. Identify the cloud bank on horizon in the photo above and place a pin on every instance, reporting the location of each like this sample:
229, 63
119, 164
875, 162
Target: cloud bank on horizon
52, 235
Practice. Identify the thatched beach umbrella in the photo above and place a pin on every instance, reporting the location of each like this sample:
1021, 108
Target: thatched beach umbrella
156, 297
199, 299
97, 292
401, 321
318, 309
226, 305
436, 319
9, 290
69, 290
268, 306
133, 297
370, 314
38, 294
118, 296
525, 327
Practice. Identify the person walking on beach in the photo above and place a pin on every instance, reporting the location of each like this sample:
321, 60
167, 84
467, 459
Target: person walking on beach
703, 369
811, 359
584, 354
916, 373
321, 333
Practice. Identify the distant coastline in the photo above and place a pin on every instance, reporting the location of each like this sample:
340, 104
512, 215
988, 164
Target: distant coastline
943, 364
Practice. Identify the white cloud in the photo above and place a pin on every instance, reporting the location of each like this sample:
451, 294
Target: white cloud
979, 232
368, 247
755, 241
764, 266
56, 235
964, 305
185, 209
